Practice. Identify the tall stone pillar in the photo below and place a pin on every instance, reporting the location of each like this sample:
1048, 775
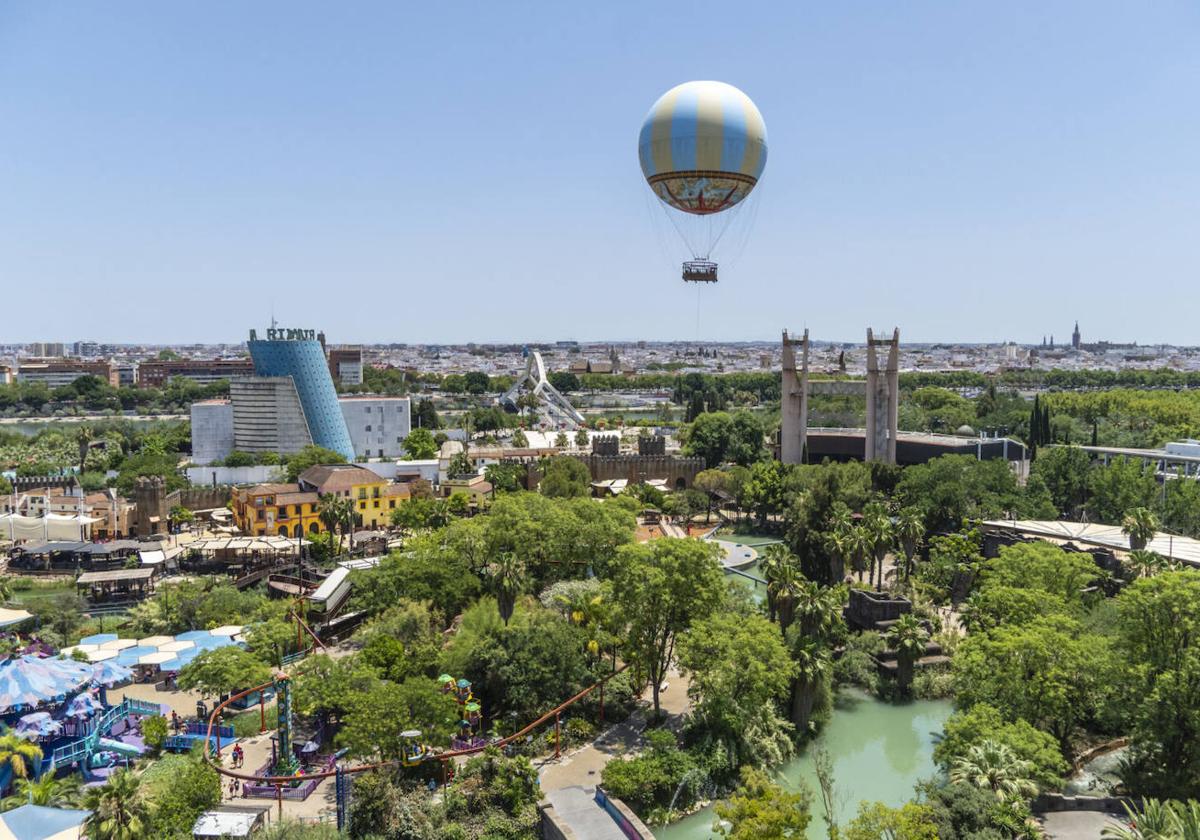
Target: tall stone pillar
793, 433
883, 398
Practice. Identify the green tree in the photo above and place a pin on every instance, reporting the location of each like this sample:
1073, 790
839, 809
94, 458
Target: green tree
561, 441
1142, 563
323, 687
19, 754
907, 638
154, 732
311, 456
48, 791
1047, 672
420, 445
997, 604
662, 588
709, 437
952, 488
216, 672
477, 382
519, 439
178, 790
761, 810
982, 722
237, 458
876, 821
581, 438
711, 482
740, 672
564, 477
271, 640
1140, 525
910, 531
1043, 567
507, 576
1065, 471
992, 765
375, 718
1118, 488
117, 810
879, 528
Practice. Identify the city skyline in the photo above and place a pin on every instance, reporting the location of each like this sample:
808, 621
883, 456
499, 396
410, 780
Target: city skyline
964, 173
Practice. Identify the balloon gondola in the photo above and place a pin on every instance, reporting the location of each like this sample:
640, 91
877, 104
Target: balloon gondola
702, 149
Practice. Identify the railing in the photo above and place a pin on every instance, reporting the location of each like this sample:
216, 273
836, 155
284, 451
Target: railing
86, 745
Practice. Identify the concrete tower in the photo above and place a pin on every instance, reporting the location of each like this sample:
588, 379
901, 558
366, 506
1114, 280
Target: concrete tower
883, 398
793, 432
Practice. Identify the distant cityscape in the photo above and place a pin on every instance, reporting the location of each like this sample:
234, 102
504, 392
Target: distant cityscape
144, 365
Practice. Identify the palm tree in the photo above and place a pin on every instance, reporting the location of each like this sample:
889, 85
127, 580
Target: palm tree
860, 545
507, 575
879, 526
785, 588
817, 610
774, 558
337, 515
21, 755
990, 765
910, 530
837, 546
1143, 563
49, 791
1140, 525
907, 637
811, 659
118, 812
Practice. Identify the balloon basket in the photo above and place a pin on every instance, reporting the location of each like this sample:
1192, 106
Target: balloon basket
700, 271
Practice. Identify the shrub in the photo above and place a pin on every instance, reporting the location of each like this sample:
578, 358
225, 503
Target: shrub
650, 780
856, 666
154, 732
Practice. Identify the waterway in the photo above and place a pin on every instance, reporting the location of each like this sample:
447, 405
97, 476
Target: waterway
879, 752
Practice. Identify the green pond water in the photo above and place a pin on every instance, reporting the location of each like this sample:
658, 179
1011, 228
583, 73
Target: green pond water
879, 751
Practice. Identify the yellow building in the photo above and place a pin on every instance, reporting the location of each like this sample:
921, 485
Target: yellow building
374, 498
276, 510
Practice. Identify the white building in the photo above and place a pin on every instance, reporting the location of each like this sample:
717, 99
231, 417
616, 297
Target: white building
212, 431
378, 425
264, 415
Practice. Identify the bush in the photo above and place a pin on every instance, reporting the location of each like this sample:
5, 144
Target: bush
154, 732
650, 780
246, 725
856, 666
933, 683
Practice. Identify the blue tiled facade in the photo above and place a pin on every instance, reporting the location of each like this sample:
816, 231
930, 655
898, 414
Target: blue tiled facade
304, 362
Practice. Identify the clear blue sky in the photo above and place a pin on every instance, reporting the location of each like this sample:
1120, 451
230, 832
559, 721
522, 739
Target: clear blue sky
430, 172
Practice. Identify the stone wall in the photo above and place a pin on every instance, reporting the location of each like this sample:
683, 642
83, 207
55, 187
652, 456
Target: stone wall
551, 827
678, 471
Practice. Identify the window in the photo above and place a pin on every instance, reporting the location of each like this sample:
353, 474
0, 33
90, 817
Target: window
367, 409
391, 504
377, 503
362, 505
368, 427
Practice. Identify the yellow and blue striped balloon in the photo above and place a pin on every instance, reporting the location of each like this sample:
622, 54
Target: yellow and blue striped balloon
703, 147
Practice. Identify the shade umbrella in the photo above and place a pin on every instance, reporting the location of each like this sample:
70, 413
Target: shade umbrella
110, 671
154, 641
99, 639
67, 651
101, 655
228, 630
83, 705
37, 725
175, 647
119, 644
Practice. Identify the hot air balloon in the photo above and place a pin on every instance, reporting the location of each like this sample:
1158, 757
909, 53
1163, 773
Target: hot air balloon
702, 147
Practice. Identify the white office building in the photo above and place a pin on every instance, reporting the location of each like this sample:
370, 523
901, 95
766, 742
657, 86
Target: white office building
378, 425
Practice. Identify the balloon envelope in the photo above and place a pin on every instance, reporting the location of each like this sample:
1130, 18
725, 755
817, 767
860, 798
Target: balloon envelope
703, 147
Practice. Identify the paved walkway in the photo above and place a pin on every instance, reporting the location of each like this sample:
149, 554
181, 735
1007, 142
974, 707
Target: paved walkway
577, 807
570, 782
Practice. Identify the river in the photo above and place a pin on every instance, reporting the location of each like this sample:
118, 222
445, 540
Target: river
879, 751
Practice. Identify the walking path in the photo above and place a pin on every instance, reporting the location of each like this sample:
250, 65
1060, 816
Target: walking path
570, 782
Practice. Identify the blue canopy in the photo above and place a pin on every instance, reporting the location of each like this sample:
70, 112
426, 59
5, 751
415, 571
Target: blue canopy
110, 671
99, 639
130, 656
27, 682
38, 822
